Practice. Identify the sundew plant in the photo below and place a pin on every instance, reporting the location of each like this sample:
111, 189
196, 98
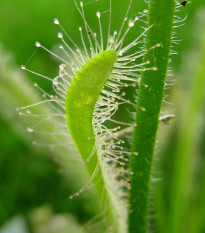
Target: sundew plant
100, 80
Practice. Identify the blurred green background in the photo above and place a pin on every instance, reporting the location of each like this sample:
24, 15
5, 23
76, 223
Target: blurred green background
35, 182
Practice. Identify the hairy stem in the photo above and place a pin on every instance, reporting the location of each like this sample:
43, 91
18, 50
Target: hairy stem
161, 16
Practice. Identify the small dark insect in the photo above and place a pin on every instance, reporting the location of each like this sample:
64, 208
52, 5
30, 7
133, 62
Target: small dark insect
89, 33
183, 3
129, 181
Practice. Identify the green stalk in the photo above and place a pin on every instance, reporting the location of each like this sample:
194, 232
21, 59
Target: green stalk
161, 16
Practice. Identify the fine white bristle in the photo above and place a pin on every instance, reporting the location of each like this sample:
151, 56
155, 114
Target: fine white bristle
60, 35
98, 14
131, 23
56, 21
37, 44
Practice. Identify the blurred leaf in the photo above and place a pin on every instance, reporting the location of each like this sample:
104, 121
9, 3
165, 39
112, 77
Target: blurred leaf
15, 225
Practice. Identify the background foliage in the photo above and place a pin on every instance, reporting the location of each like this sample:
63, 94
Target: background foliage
33, 183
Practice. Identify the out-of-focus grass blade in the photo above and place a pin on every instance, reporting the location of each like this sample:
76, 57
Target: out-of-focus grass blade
184, 215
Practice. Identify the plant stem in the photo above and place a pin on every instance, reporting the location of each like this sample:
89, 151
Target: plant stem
161, 16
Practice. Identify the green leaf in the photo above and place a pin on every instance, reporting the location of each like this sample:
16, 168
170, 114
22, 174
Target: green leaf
82, 96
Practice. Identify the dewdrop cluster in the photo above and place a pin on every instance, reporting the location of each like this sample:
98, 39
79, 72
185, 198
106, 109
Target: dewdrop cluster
126, 72
109, 142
